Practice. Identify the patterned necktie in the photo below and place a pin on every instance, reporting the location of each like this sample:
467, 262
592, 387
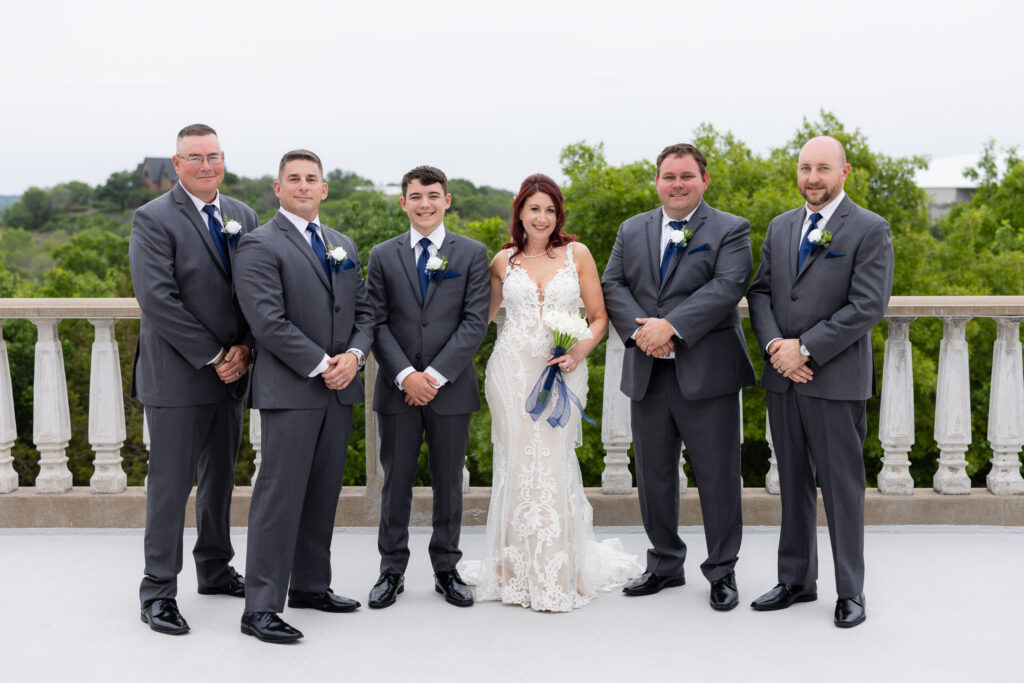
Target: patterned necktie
805, 244
670, 249
318, 249
421, 267
218, 237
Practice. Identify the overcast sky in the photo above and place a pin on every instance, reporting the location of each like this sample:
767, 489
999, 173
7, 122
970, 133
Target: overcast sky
490, 91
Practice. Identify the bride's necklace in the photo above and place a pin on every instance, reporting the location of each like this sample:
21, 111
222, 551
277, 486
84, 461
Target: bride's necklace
525, 255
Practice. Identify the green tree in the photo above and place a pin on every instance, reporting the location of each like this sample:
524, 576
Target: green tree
123, 190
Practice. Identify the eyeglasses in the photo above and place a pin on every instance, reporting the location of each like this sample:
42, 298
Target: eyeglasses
197, 159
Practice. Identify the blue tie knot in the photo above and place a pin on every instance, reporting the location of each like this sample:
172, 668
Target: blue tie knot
211, 210
677, 225
425, 242
815, 217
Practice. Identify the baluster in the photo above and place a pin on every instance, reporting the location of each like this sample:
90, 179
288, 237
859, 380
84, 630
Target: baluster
145, 442
896, 417
256, 439
684, 483
8, 429
51, 415
616, 430
374, 470
106, 411
1006, 408
771, 480
953, 408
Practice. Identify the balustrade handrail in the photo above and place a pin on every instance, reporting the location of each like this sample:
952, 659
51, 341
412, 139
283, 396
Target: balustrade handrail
52, 430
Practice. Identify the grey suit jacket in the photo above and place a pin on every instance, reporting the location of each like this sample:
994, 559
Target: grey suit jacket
189, 310
297, 314
444, 331
698, 297
831, 305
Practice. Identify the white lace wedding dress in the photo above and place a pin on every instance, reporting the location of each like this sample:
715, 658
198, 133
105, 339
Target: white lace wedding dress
540, 546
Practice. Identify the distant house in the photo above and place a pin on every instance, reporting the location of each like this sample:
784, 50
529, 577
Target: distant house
157, 173
946, 185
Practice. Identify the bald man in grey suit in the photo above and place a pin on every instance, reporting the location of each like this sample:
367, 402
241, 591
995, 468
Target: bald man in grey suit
301, 288
824, 282
190, 372
671, 288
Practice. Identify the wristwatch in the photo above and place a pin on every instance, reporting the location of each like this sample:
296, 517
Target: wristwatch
359, 356
804, 352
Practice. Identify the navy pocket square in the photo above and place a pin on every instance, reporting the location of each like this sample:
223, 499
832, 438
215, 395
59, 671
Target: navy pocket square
833, 254
696, 250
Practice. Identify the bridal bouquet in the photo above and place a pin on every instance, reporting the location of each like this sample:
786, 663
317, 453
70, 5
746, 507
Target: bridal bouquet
567, 330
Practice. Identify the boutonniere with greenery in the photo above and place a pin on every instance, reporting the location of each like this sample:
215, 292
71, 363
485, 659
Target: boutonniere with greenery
678, 239
339, 258
232, 230
820, 237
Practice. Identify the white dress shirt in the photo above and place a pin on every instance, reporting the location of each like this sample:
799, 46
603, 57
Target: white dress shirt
436, 238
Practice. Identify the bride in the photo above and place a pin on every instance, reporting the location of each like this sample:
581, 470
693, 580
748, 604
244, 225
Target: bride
540, 546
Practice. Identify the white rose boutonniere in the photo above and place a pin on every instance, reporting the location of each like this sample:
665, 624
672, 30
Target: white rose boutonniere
338, 258
232, 230
437, 268
819, 237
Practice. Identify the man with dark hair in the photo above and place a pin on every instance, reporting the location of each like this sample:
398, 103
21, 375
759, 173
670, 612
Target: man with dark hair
824, 281
190, 372
671, 288
430, 291
301, 288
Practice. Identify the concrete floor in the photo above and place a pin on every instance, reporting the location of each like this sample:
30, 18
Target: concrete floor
944, 604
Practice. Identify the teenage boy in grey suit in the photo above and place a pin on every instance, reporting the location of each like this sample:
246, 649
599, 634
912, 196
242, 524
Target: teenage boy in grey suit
430, 292
824, 281
671, 288
301, 288
190, 372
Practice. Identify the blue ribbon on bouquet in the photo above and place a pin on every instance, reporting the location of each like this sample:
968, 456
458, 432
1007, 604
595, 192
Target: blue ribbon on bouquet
551, 380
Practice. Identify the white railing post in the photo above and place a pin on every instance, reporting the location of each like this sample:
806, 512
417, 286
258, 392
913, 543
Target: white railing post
1006, 408
51, 415
616, 430
145, 443
684, 483
953, 408
256, 439
106, 410
8, 428
896, 416
771, 480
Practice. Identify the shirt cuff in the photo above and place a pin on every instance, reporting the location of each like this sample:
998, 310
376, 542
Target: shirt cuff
402, 375
439, 379
214, 359
319, 369
769, 344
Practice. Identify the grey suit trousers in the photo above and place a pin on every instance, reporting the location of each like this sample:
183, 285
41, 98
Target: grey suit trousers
294, 503
662, 422
447, 438
186, 441
817, 436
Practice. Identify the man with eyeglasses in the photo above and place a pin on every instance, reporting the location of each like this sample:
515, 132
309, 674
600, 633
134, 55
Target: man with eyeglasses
190, 372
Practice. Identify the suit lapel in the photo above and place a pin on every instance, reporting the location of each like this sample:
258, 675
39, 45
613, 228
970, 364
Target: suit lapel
448, 250
794, 228
693, 226
654, 244
293, 236
406, 256
188, 209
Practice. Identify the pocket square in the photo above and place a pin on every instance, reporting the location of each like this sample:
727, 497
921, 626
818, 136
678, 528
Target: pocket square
833, 254
695, 250
342, 266
438, 275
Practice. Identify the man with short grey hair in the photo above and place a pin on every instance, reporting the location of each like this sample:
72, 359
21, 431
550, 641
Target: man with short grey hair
190, 372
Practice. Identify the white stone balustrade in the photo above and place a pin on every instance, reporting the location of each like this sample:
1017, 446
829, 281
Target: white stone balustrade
952, 426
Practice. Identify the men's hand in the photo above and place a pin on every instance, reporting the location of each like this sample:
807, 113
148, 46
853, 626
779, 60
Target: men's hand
419, 390
664, 350
653, 334
234, 365
800, 375
786, 357
340, 370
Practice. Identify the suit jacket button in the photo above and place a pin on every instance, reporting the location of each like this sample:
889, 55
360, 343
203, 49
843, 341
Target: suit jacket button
425, 324
231, 335
418, 356
794, 297
337, 309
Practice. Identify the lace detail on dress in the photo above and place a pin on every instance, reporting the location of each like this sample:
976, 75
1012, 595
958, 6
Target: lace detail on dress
540, 538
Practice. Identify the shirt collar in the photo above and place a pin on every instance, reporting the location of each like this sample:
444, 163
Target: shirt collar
299, 222
665, 219
199, 202
826, 211
436, 237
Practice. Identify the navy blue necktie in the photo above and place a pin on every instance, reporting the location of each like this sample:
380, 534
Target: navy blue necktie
805, 244
318, 249
670, 249
421, 267
218, 237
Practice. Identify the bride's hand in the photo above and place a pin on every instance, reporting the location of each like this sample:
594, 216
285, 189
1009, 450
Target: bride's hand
566, 362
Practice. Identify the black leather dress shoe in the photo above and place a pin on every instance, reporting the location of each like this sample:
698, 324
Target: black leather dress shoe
851, 611
235, 587
386, 590
325, 601
453, 588
268, 627
649, 583
784, 595
724, 595
163, 616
